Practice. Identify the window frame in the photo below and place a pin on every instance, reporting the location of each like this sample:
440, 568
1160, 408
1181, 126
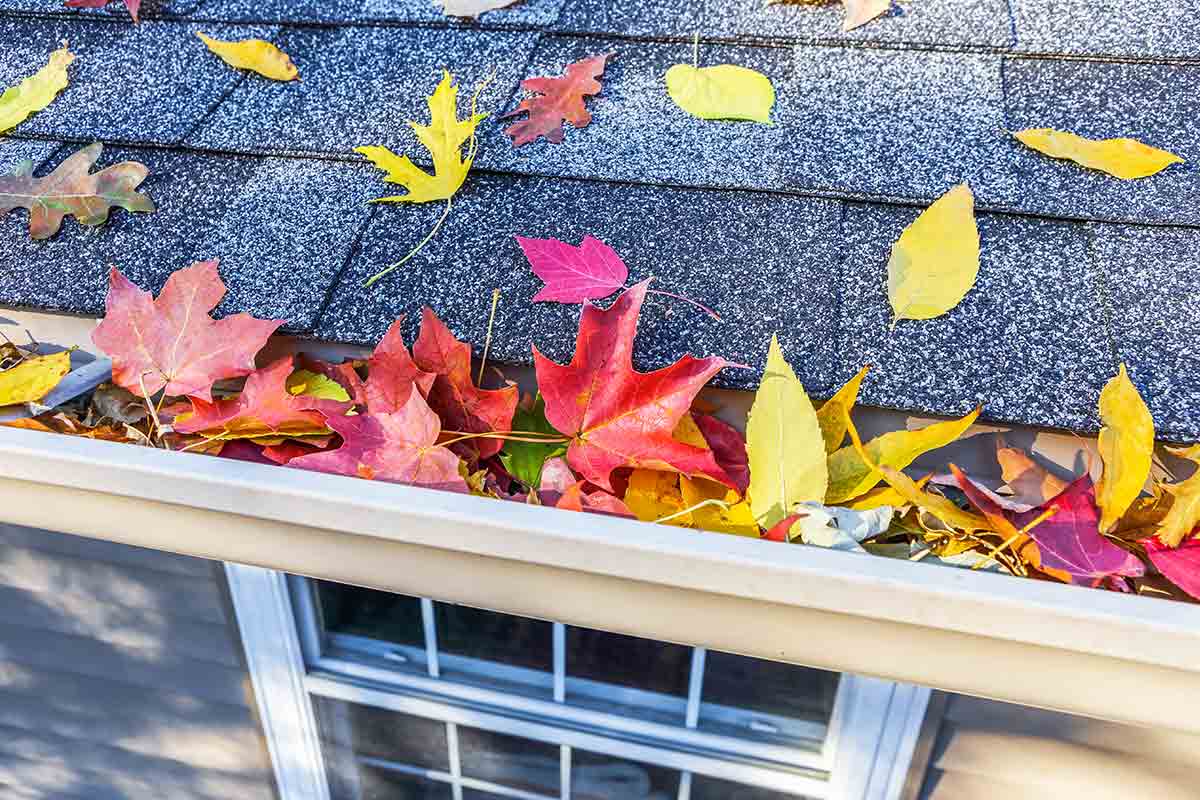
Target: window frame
866, 755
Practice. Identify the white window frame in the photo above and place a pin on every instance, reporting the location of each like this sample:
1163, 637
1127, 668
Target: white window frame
866, 754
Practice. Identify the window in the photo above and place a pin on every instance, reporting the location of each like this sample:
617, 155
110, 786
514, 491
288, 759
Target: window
407, 697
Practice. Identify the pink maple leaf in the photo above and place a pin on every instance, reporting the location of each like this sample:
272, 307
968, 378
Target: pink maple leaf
133, 5
574, 274
1180, 565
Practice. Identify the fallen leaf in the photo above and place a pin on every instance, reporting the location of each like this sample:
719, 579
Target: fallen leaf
883, 496
1145, 517
393, 374
784, 443
314, 384
525, 460
1070, 539
116, 404
850, 476
653, 494
839, 528
171, 343
574, 274
1123, 158
555, 101
860, 12
728, 447
935, 504
33, 378
615, 416
454, 397
1126, 447
1184, 515
1030, 482
255, 55
472, 8
724, 91
832, 415
443, 138
1181, 565
69, 189
596, 502
733, 516
35, 92
265, 406
936, 260
399, 447
133, 6
782, 531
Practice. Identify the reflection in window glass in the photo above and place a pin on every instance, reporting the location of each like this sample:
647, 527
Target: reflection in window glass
509, 760
374, 732
768, 687
384, 784
628, 661
353, 610
705, 788
596, 776
490, 636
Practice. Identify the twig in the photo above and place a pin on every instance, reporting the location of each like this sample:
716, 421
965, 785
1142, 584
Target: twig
153, 412
487, 342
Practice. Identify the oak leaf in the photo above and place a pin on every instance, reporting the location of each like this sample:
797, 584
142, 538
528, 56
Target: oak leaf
724, 91
133, 6
462, 405
35, 92
70, 189
1181, 565
617, 417
171, 343
33, 378
256, 55
443, 137
572, 274
472, 8
555, 101
1183, 517
1126, 447
399, 447
784, 443
936, 260
1122, 158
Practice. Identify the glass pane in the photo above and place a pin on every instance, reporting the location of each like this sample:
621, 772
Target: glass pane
735, 683
596, 776
625, 673
384, 784
509, 760
491, 636
388, 735
353, 610
705, 788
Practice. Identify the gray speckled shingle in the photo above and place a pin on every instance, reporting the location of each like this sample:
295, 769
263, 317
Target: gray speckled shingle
360, 86
1152, 281
643, 18
1029, 341
532, 13
150, 9
1162, 29
14, 151
765, 263
282, 228
145, 83
1154, 103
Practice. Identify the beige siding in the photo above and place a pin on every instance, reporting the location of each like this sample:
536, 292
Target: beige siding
987, 750
121, 676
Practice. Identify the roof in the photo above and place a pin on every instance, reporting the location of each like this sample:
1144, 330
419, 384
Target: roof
783, 228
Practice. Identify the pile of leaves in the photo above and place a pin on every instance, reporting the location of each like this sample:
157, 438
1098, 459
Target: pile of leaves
601, 437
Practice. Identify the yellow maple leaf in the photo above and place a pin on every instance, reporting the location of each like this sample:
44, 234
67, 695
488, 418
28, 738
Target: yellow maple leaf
35, 92
653, 494
832, 415
784, 444
443, 138
1184, 516
33, 378
256, 55
733, 515
1126, 447
1123, 158
936, 260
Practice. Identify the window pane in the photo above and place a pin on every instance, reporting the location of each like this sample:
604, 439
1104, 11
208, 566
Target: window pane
734, 684
705, 788
384, 784
596, 776
376, 733
509, 760
394, 618
491, 636
638, 675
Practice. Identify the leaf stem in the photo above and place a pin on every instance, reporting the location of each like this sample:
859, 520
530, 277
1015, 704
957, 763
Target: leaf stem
689, 301
513, 436
384, 272
696, 49
703, 503
487, 342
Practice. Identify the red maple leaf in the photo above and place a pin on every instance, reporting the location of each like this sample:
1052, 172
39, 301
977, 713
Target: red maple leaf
616, 416
728, 446
264, 407
393, 374
454, 396
133, 5
556, 100
574, 274
171, 343
399, 447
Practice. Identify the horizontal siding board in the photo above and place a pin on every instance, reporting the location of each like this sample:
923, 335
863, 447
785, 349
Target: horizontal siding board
100, 551
138, 629
112, 585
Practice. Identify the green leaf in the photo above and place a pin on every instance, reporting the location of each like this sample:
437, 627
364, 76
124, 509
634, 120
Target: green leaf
312, 384
725, 91
35, 92
524, 460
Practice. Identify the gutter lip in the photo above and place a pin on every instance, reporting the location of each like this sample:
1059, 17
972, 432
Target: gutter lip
1129, 628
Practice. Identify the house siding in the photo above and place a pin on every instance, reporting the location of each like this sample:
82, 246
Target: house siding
987, 750
121, 676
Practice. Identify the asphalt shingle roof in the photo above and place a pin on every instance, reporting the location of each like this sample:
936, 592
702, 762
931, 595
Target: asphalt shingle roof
783, 228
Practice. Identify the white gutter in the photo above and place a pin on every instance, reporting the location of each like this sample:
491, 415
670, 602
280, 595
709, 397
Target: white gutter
1126, 658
